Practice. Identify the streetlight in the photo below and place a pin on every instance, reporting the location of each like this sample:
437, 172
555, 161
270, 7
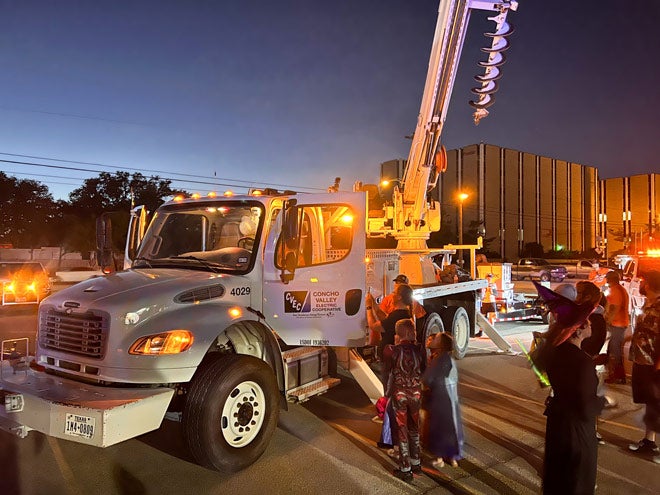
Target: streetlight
387, 188
462, 196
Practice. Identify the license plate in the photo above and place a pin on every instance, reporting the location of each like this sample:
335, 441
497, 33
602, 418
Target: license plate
14, 403
79, 426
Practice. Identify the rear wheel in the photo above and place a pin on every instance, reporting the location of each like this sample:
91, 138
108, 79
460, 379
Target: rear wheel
432, 326
457, 322
545, 277
231, 411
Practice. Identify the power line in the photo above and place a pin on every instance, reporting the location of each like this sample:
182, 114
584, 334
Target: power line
96, 164
79, 183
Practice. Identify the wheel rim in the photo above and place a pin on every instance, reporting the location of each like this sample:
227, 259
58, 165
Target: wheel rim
461, 331
432, 326
243, 414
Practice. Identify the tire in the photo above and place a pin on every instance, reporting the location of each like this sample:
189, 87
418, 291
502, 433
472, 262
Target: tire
242, 384
457, 322
432, 326
545, 277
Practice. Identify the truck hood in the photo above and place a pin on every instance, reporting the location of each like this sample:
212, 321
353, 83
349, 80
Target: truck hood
133, 285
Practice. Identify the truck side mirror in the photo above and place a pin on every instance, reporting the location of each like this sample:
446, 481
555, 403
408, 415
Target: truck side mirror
290, 225
104, 255
289, 240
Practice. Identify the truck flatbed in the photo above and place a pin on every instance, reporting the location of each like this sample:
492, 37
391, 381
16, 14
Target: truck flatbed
429, 291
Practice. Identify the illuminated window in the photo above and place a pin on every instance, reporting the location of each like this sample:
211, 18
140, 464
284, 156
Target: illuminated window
325, 235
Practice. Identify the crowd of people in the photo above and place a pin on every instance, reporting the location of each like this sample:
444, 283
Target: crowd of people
569, 354
421, 406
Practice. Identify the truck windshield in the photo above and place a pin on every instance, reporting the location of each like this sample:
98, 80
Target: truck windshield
216, 237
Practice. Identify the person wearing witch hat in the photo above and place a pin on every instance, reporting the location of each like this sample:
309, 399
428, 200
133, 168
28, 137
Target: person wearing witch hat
571, 446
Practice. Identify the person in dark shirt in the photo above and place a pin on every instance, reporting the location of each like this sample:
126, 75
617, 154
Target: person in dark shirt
378, 322
588, 292
645, 355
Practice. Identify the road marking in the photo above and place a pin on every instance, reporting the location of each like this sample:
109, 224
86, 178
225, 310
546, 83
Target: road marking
67, 473
502, 394
542, 404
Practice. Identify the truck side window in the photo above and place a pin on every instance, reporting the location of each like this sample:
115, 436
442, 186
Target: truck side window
325, 235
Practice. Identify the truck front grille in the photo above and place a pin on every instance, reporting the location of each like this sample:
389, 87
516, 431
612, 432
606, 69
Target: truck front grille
81, 334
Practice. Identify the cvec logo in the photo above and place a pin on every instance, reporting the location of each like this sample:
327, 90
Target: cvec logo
297, 301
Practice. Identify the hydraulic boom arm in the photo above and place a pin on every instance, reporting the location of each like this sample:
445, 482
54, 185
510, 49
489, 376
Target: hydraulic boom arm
413, 212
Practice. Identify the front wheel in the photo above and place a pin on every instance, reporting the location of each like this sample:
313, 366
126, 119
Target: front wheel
457, 322
231, 411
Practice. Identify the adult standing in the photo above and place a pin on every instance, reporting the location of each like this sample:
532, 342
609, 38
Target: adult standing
589, 292
618, 319
571, 446
645, 355
404, 364
386, 306
383, 324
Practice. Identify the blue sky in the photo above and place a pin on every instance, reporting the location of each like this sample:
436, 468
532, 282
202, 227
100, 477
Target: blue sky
297, 92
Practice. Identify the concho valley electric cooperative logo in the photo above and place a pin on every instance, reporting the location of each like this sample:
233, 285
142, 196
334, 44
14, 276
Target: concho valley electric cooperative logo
297, 301
317, 303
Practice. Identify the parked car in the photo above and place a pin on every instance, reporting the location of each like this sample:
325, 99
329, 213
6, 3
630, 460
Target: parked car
75, 275
582, 269
23, 282
538, 269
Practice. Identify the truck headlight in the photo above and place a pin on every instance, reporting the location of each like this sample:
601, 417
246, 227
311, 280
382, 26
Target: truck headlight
172, 342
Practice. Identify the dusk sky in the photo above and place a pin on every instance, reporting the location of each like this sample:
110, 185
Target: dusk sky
297, 92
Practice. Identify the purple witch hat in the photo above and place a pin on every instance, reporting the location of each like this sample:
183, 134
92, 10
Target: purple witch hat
568, 314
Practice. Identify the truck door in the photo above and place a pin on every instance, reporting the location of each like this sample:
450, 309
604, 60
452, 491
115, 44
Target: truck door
320, 301
137, 224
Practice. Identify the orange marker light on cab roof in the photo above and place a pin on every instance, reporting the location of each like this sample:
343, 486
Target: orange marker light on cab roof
178, 198
212, 194
196, 196
228, 193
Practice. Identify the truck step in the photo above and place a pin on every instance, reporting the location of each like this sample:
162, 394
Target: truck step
299, 353
304, 392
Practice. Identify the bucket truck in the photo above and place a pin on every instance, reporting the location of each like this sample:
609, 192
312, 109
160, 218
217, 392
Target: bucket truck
231, 306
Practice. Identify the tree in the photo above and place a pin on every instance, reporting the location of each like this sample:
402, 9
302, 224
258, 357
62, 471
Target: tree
116, 193
29, 213
532, 250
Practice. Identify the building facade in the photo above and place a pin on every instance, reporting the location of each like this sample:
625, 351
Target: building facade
629, 213
515, 198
